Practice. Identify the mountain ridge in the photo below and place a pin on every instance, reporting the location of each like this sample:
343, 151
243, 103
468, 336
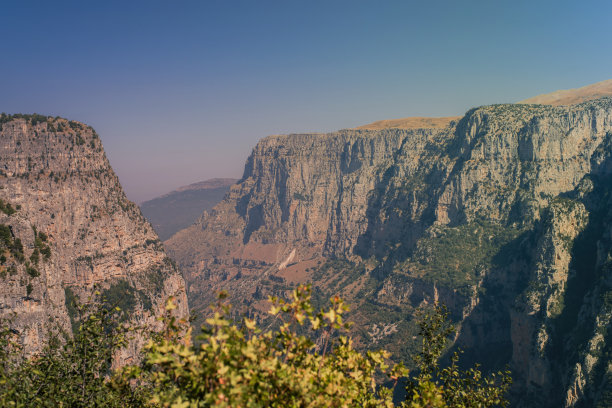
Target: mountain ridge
200, 185
556, 98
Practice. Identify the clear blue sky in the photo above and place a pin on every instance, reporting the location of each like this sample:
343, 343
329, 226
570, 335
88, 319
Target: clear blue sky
180, 91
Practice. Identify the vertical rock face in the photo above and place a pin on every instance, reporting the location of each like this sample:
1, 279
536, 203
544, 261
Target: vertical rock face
503, 215
308, 193
76, 228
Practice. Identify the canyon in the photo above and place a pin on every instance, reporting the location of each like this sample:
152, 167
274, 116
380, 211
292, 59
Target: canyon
502, 215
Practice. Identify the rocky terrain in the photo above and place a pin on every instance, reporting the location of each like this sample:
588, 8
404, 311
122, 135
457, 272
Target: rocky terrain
68, 230
180, 208
503, 215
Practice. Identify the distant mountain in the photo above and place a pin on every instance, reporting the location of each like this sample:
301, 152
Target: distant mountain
573, 96
410, 123
181, 208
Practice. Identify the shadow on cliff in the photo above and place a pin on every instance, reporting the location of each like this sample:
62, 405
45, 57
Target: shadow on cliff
400, 210
576, 324
485, 335
587, 284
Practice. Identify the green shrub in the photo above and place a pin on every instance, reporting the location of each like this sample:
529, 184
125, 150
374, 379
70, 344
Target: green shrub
7, 208
239, 364
35, 257
120, 295
46, 251
33, 272
68, 372
40, 239
14, 246
6, 236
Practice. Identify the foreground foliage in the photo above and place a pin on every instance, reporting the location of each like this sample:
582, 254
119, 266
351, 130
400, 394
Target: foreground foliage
243, 365
71, 371
302, 359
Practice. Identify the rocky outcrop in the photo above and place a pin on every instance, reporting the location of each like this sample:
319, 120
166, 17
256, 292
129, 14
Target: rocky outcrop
76, 229
502, 215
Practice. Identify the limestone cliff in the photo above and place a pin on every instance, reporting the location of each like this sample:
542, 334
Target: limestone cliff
69, 229
502, 215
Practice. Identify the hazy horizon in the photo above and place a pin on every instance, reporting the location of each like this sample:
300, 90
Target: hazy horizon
180, 92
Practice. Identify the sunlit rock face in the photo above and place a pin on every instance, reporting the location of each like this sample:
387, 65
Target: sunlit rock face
71, 206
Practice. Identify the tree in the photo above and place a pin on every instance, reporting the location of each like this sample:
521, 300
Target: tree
70, 371
457, 388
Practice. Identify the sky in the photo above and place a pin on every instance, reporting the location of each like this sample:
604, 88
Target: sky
181, 91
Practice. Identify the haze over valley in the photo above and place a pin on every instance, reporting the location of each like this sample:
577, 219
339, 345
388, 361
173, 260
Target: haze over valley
180, 208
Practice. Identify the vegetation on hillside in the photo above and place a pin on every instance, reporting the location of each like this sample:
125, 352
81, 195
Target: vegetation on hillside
7, 208
302, 360
456, 256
